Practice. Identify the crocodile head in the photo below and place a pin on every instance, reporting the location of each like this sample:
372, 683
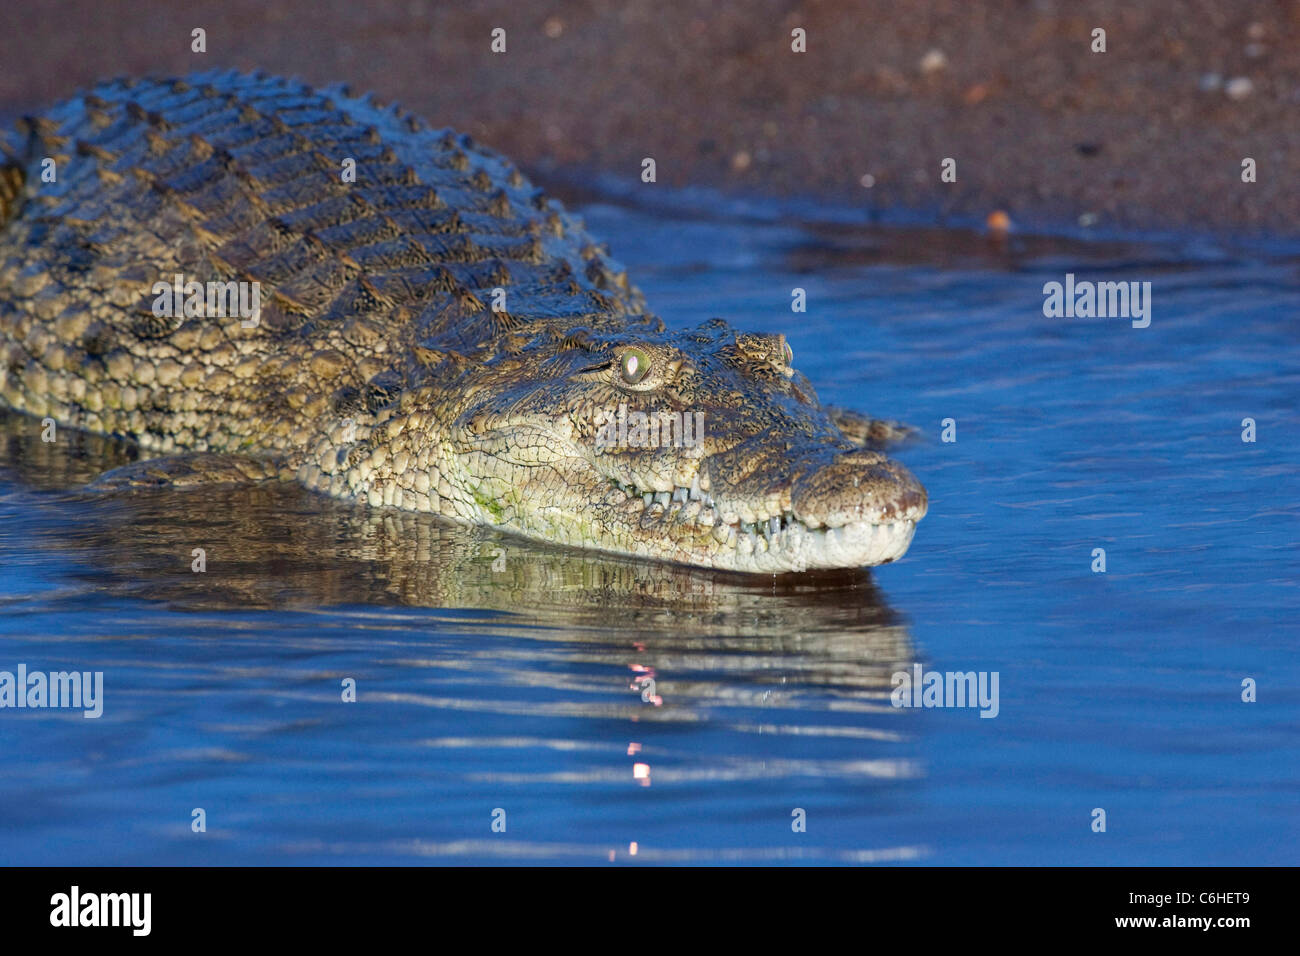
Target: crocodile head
703, 447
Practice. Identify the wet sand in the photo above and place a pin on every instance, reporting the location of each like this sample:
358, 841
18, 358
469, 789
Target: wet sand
1149, 134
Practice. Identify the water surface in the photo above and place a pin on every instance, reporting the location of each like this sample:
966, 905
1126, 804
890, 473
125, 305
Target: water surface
494, 675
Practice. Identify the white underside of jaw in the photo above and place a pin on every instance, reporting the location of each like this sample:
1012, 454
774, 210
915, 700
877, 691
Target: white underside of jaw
774, 545
856, 545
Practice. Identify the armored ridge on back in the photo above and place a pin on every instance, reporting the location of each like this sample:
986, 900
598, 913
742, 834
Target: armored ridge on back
254, 280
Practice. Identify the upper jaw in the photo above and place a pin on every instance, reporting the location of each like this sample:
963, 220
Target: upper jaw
861, 488
826, 487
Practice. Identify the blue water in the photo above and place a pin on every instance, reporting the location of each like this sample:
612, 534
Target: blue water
497, 678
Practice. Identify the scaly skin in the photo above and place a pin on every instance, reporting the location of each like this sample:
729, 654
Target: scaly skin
384, 367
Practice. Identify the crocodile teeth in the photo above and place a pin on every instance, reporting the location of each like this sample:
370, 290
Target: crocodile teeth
693, 506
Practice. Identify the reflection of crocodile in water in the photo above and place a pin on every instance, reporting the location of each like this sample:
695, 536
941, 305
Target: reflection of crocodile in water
275, 547
434, 336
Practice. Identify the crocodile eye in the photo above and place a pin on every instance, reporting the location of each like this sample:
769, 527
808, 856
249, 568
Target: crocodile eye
634, 364
787, 353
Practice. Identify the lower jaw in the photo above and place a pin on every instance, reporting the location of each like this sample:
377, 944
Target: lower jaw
850, 546
793, 550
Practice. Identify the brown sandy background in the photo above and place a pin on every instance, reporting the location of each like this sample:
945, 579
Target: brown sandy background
1150, 133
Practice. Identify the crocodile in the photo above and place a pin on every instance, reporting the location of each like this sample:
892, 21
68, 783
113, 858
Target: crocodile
426, 331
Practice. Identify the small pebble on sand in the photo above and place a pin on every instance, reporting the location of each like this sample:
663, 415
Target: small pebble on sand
1239, 87
1210, 83
933, 61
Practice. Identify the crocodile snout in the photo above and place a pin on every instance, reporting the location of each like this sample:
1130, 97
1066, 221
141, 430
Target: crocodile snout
860, 486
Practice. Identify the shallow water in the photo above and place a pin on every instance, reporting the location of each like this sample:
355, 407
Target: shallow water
494, 675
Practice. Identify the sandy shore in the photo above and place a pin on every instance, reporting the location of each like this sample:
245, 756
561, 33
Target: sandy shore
1150, 133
